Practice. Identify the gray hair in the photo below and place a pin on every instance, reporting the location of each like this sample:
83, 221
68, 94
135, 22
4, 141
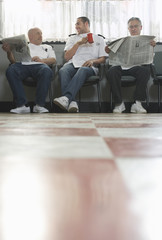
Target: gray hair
135, 18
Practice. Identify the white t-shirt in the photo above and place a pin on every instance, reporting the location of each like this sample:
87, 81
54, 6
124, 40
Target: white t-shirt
42, 51
86, 51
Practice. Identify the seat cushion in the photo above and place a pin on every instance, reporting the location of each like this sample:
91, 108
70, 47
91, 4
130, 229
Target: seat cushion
158, 80
92, 80
127, 81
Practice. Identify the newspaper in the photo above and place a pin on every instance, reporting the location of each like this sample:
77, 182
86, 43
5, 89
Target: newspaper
131, 51
19, 48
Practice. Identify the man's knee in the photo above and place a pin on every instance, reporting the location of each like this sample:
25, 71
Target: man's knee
10, 70
114, 74
62, 71
85, 71
47, 71
65, 71
114, 69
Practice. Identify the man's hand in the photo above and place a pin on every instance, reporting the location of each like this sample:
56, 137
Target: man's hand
37, 59
88, 63
152, 43
107, 49
6, 47
83, 41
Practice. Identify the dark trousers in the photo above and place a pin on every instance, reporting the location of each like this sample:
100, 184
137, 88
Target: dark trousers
142, 75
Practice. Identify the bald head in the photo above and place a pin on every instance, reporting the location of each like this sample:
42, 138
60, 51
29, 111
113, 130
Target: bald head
35, 36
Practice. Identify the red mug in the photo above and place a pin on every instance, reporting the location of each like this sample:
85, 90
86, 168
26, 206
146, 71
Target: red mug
90, 38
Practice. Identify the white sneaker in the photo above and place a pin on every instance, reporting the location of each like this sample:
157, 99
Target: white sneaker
137, 108
62, 102
20, 110
73, 107
119, 108
39, 109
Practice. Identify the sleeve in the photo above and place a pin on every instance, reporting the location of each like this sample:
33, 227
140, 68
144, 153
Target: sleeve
51, 52
70, 42
102, 52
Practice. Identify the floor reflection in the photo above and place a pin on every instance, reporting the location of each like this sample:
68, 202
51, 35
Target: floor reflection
64, 200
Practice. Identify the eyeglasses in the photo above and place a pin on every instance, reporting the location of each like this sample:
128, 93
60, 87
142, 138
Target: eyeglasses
133, 26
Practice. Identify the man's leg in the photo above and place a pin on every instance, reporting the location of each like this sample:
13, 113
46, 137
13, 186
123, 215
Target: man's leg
114, 77
77, 82
43, 74
142, 75
15, 74
66, 73
71, 85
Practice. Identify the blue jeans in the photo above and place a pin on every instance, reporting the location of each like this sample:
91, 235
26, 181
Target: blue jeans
72, 79
17, 72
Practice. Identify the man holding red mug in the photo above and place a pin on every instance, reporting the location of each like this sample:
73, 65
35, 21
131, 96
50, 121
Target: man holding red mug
83, 52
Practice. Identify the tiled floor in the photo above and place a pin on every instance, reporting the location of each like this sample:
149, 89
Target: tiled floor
80, 177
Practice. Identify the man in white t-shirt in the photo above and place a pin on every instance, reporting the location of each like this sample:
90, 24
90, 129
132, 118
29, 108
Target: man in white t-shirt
82, 59
39, 68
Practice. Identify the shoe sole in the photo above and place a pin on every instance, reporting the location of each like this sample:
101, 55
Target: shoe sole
138, 112
40, 112
19, 112
59, 105
119, 112
73, 110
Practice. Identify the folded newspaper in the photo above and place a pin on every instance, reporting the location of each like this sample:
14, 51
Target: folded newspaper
130, 51
19, 48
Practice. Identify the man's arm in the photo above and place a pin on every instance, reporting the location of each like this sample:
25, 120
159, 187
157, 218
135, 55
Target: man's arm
71, 52
10, 56
93, 62
47, 61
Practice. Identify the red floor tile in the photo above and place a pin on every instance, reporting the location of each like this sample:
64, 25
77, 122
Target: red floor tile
127, 147
127, 125
50, 131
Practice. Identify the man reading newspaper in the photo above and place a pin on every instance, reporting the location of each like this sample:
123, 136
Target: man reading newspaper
130, 56
35, 64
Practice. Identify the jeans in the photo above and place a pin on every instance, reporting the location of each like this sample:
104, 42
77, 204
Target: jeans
17, 72
72, 79
142, 75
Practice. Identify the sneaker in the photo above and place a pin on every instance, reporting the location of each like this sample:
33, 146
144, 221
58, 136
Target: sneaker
62, 102
119, 108
20, 110
137, 108
73, 107
39, 109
